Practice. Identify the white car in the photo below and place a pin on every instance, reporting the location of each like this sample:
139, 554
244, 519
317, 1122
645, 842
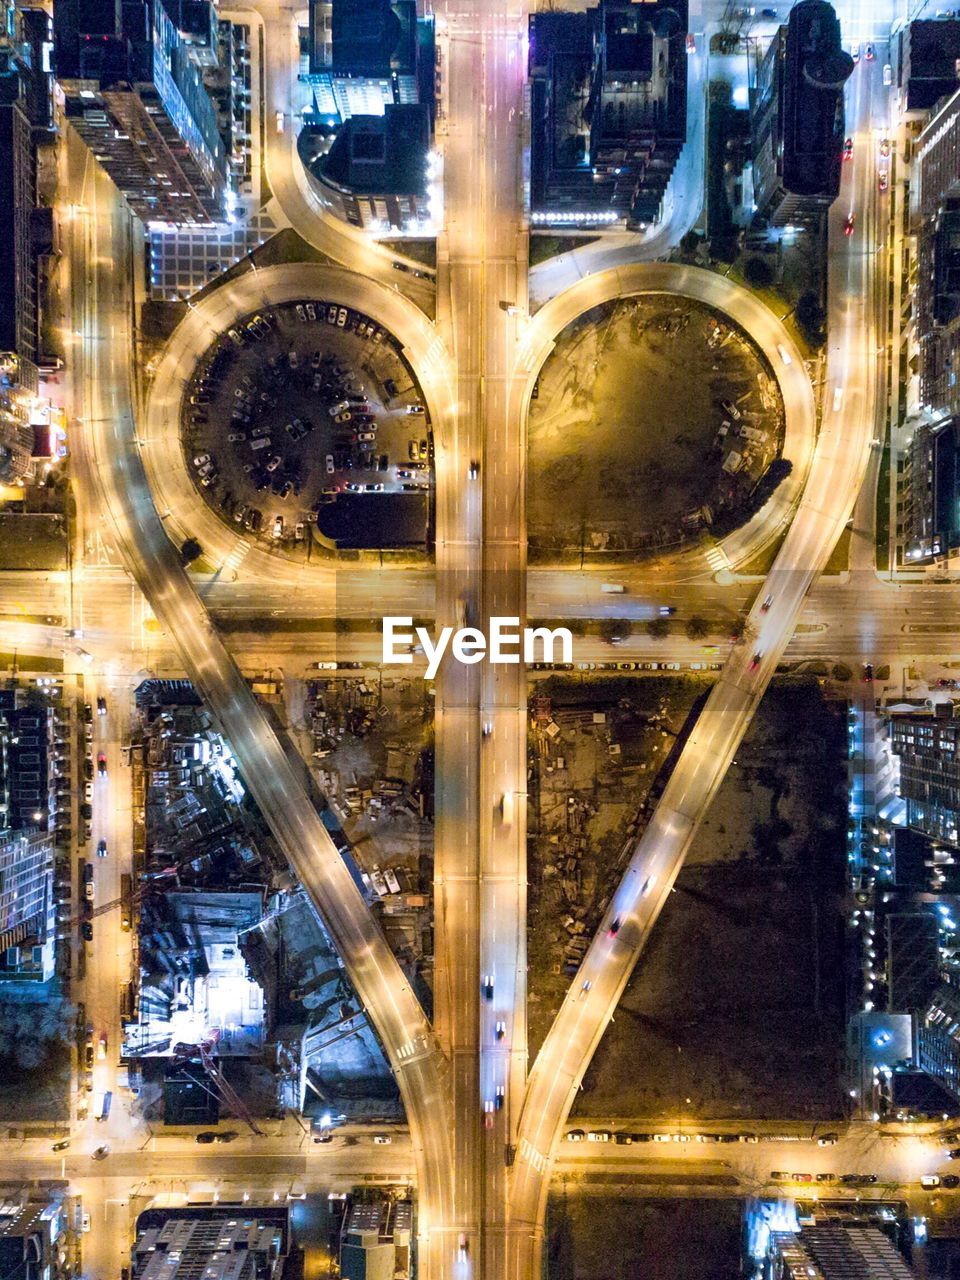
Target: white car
85, 1222
382, 1139
278, 527
279, 122
329, 464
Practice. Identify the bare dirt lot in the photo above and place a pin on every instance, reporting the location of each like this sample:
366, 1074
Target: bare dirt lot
652, 416
622, 1238
736, 1003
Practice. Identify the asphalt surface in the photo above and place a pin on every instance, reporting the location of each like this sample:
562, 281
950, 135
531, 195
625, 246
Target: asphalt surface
836, 473
104, 394
476, 370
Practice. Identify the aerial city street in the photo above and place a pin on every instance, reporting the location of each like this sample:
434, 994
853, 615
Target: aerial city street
479, 651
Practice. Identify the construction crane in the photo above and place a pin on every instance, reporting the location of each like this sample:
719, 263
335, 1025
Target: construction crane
92, 912
222, 1089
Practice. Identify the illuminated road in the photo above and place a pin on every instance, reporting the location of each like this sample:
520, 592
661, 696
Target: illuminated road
104, 407
481, 720
836, 475
483, 336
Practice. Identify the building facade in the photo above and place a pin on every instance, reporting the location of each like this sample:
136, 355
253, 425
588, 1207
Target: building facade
930, 492
926, 745
935, 209
135, 81
27, 907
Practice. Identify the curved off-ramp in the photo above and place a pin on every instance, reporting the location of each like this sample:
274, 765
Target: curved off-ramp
657, 855
765, 331
176, 496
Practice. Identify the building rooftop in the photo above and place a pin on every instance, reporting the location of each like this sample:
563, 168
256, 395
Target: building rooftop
929, 69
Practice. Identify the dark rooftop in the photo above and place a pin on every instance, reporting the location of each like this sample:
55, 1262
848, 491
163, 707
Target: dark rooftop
930, 69
362, 520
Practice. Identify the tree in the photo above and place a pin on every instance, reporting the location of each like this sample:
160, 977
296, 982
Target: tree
697, 627
725, 248
658, 628
190, 551
811, 317
758, 272
741, 629
613, 630
689, 243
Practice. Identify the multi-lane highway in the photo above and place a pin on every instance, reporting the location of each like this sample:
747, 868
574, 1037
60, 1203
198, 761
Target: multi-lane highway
481, 1210
103, 396
836, 474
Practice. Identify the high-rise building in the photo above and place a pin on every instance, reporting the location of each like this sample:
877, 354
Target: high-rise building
27, 908
18, 196
935, 205
214, 1241
608, 107
366, 143
364, 55
926, 745
797, 115
34, 1223
938, 1038
134, 76
930, 491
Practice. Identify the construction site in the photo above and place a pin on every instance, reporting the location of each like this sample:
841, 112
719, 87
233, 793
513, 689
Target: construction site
238, 1003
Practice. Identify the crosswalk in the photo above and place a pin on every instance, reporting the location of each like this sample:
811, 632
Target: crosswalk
237, 556
717, 558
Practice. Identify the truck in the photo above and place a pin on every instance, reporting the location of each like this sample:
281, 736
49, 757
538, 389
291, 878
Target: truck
102, 1106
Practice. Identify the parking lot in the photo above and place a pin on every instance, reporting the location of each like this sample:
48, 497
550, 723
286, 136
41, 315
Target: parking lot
295, 406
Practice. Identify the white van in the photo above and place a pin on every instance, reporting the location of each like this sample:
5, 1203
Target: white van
613, 588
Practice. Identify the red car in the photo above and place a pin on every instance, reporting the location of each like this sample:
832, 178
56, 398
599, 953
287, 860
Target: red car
101, 764
848, 225
883, 180
755, 661
847, 148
